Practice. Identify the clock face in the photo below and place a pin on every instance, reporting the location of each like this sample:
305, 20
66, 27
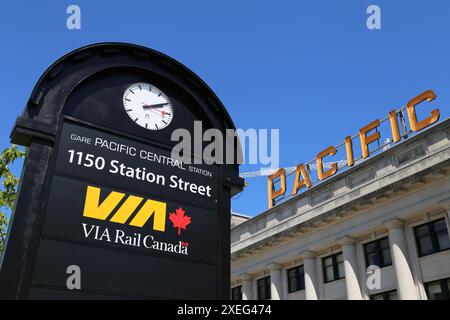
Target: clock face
148, 106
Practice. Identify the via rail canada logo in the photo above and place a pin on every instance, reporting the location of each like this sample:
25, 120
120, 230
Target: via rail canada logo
124, 206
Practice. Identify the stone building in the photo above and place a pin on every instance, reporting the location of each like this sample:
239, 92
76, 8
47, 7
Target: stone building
391, 211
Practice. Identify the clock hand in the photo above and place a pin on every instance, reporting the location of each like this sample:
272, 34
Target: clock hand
161, 113
153, 107
157, 105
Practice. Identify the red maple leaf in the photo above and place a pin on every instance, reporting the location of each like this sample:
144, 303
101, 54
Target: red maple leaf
179, 219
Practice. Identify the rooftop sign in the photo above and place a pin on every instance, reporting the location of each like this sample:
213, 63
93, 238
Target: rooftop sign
367, 135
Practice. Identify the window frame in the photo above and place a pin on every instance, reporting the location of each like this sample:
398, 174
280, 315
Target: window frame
378, 252
385, 294
300, 278
443, 284
239, 294
433, 236
266, 281
335, 266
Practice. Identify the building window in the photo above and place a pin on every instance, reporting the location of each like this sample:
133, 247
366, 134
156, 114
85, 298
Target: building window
438, 290
296, 279
432, 237
236, 293
333, 267
264, 288
378, 253
387, 295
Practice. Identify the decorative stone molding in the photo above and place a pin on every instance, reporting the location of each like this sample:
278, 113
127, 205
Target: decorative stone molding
308, 255
445, 204
274, 266
347, 240
246, 277
394, 223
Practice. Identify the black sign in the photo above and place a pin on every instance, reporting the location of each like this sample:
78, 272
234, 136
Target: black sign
71, 215
101, 194
111, 159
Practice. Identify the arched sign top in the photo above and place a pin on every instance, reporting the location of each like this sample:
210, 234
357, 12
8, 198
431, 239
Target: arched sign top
62, 78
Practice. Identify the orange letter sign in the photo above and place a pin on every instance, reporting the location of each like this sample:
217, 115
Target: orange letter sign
323, 175
304, 181
368, 139
349, 150
394, 125
273, 194
416, 126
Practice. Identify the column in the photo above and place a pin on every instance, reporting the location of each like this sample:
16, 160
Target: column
405, 281
448, 213
247, 288
309, 267
350, 268
448, 218
275, 281
446, 205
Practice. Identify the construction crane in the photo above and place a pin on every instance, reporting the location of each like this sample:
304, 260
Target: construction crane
289, 170
310, 166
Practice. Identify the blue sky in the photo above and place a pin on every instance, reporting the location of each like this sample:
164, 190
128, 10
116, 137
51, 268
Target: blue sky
310, 68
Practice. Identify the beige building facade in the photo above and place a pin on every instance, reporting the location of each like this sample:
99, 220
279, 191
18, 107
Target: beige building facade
378, 230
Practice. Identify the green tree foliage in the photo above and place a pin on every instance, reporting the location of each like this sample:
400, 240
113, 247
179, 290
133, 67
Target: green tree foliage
9, 187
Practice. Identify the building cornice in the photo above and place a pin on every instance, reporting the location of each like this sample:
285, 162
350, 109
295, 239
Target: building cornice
394, 223
308, 254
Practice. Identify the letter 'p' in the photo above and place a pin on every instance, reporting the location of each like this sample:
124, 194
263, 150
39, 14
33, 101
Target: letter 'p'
273, 194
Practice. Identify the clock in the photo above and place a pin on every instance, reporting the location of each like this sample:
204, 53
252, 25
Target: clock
147, 106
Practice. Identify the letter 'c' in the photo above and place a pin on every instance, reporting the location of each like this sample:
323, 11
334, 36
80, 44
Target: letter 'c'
415, 125
319, 163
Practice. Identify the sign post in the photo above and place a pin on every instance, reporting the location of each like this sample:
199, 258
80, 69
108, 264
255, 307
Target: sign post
100, 192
